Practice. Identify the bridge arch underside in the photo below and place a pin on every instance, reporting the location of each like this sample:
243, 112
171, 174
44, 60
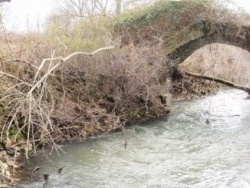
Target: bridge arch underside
185, 50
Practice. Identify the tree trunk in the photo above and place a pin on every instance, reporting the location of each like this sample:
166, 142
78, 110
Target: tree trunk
118, 9
225, 82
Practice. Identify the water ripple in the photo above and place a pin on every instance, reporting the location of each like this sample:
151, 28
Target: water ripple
203, 143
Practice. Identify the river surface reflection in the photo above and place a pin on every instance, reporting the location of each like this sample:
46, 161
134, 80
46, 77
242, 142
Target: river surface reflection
203, 143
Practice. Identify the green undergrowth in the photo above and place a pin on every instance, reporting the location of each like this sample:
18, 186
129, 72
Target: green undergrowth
159, 10
82, 35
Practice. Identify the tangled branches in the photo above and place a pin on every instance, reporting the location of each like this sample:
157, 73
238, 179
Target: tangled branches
81, 95
29, 103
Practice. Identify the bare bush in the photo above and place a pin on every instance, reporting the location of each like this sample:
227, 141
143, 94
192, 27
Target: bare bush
80, 95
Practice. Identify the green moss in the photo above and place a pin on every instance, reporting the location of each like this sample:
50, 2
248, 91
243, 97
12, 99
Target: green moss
161, 9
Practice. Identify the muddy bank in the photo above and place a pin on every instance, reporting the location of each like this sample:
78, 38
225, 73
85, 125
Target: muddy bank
11, 164
97, 114
183, 89
170, 145
189, 88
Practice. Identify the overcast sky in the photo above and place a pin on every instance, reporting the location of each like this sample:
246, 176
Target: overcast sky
21, 15
28, 14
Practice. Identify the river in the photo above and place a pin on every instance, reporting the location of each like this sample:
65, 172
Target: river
202, 143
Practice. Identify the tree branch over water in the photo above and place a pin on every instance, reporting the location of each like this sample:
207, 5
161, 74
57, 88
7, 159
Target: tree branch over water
225, 82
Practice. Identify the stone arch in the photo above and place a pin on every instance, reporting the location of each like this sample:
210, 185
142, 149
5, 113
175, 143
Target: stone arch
225, 33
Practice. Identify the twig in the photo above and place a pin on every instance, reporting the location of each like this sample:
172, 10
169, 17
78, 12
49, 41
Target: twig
70, 56
12, 76
62, 61
21, 61
30, 105
86, 53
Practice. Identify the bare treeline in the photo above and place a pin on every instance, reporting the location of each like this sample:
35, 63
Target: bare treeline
89, 8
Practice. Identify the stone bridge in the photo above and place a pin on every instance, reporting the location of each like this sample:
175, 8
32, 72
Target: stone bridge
225, 33
182, 28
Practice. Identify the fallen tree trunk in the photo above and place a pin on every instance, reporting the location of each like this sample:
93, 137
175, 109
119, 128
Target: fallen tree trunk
225, 82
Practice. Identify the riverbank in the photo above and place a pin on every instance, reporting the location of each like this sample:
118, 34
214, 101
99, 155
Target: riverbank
184, 149
47, 103
102, 122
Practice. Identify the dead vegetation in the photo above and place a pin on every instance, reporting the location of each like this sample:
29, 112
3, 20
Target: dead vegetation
49, 92
77, 96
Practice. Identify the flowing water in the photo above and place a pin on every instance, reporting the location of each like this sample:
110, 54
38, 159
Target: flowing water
202, 143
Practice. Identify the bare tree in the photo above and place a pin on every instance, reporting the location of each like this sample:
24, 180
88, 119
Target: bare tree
130, 4
118, 6
89, 8
84, 8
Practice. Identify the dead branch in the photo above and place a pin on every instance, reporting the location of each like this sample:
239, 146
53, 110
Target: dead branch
70, 56
86, 53
62, 60
225, 82
31, 105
